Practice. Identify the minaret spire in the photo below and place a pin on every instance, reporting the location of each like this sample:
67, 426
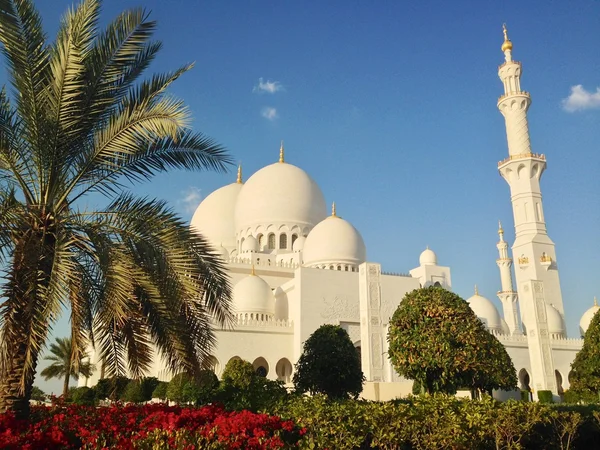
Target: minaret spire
333, 214
281, 153
239, 175
506, 45
507, 295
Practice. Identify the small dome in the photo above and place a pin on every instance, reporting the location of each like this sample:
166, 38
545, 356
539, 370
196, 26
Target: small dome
299, 244
587, 317
223, 252
428, 258
334, 241
253, 295
280, 193
250, 244
485, 310
556, 324
214, 216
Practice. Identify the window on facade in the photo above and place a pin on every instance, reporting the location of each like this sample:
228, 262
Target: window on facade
261, 241
271, 242
283, 241
294, 237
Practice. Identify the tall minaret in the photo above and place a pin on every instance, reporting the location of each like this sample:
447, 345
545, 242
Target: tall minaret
536, 271
533, 249
507, 295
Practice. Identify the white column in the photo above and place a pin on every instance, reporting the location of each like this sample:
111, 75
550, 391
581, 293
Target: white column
371, 328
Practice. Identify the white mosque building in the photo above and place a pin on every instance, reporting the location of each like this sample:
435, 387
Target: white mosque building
294, 267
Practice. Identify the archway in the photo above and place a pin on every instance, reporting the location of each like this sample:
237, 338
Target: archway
283, 369
358, 347
559, 380
212, 363
524, 380
261, 366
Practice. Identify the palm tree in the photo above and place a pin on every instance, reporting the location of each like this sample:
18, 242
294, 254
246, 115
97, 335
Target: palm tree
62, 364
135, 280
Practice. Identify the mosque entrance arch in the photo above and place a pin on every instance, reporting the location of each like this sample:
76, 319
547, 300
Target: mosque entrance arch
524, 381
283, 369
261, 366
559, 382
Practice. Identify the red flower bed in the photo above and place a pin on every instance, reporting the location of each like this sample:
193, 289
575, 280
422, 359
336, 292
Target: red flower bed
146, 427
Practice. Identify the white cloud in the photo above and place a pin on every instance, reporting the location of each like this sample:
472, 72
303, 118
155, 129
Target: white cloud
269, 113
190, 199
581, 99
269, 87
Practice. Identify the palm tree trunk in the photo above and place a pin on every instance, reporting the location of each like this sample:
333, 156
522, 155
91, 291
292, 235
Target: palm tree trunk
66, 385
30, 270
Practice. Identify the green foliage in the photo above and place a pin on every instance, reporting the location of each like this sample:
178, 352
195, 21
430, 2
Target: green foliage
242, 388
329, 364
134, 392
585, 369
160, 391
434, 337
441, 422
417, 387
175, 387
545, 397
111, 388
149, 384
525, 396
83, 396
581, 396
184, 388
37, 394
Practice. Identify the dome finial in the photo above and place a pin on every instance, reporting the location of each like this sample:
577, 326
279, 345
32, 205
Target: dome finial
333, 214
281, 153
500, 231
507, 45
595, 301
253, 272
239, 175
476, 291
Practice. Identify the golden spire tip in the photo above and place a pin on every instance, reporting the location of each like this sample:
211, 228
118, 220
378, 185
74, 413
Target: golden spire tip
253, 272
507, 45
333, 214
281, 153
239, 175
476, 291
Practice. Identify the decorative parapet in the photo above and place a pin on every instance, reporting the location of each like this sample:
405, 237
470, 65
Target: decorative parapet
511, 339
511, 94
538, 156
262, 262
507, 63
396, 274
264, 323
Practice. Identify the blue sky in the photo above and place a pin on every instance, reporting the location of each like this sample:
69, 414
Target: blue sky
391, 108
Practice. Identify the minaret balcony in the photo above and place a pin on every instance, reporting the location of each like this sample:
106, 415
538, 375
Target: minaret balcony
536, 156
546, 261
516, 93
523, 262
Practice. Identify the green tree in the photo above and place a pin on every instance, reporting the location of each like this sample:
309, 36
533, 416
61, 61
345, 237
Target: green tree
134, 392
83, 396
38, 394
111, 388
585, 368
83, 121
149, 384
160, 391
62, 363
329, 364
436, 339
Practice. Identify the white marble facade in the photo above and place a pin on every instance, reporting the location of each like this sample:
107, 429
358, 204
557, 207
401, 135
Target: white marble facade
294, 267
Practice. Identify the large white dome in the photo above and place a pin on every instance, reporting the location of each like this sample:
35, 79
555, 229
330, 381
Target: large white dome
587, 317
334, 241
279, 194
486, 311
214, 216
253, 295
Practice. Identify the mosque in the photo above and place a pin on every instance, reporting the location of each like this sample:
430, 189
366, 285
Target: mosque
294, 266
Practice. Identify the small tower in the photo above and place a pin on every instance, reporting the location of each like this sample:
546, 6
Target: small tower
507, 295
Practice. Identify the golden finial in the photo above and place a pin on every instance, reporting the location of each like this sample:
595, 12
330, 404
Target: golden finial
507, 45
500, 231
253, 272
239, 176
595, 301
476, 291
281, 153
333, 214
